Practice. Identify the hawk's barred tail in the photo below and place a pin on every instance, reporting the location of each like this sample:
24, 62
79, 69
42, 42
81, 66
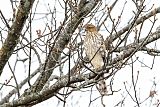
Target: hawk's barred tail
102, 87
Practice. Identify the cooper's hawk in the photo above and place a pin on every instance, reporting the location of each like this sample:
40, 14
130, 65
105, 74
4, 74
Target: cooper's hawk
95, 51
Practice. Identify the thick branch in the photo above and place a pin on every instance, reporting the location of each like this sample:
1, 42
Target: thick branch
132, 47
14, 32
48, 93
14, 91
113, 37
64, 38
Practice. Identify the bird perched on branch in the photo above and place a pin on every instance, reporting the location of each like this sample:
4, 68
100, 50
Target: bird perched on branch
95, 50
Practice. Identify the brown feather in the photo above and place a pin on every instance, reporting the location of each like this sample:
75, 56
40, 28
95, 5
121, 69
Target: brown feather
95, 51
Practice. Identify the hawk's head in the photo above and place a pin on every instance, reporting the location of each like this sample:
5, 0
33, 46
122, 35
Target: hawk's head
90, 28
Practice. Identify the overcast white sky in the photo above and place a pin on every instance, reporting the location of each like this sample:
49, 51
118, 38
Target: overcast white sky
145, 77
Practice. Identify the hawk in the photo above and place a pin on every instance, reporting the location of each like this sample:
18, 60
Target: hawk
95, 50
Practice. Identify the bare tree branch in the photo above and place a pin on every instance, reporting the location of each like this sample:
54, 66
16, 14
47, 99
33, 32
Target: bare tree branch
14, 32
